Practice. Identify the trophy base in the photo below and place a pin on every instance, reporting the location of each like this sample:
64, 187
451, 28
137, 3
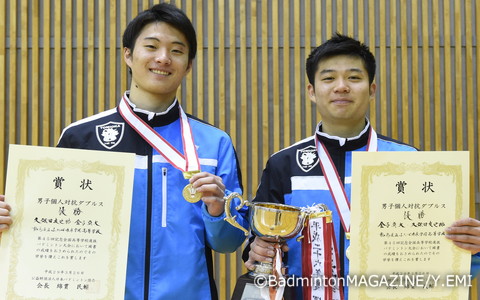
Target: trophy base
245, 289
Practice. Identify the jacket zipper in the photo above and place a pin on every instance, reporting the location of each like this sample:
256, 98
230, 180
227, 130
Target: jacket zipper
164, 197
148, 228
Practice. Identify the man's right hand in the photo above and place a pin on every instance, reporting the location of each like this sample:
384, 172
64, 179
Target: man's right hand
5, 219
262, 250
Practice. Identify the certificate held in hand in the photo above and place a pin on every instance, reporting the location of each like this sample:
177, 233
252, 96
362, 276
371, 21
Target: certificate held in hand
71, 219
401, 204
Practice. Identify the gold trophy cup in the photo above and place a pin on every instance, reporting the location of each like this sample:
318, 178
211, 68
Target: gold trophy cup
275, 221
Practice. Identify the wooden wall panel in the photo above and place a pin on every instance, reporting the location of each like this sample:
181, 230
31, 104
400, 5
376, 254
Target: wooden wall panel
62, 60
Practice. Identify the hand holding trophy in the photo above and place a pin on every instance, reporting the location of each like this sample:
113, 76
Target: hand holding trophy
275, 222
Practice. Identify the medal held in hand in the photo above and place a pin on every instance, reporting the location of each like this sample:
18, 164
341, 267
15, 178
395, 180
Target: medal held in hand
189, 192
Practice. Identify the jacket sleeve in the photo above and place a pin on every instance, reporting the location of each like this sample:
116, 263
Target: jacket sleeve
62, 141
220, 235
475, 269
66, 139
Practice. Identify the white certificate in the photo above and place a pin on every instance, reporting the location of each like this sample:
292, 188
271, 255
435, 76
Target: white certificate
71, 219
401, 204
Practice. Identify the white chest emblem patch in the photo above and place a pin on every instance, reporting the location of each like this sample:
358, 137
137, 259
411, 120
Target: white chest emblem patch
110, 134
307, 158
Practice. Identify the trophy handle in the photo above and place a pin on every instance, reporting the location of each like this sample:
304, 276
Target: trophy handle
231, 219
304, 217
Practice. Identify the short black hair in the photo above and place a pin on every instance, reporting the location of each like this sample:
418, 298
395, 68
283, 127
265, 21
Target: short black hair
163, 12
340, 45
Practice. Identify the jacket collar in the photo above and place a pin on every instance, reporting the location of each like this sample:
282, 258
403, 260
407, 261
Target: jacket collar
171, 114
341, 143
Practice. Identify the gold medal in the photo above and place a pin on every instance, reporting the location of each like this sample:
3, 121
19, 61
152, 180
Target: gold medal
190, 194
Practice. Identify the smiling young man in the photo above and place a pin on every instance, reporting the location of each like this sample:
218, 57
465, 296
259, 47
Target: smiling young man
340, 74
183, 168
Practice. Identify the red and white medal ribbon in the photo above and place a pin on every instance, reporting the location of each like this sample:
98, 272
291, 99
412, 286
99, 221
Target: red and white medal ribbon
334, 183
185, 163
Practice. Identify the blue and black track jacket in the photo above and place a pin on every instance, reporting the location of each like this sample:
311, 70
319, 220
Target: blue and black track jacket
293, 176
169, 254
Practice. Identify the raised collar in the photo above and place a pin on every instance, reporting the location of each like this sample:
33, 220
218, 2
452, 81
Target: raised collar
341, 143
155, 119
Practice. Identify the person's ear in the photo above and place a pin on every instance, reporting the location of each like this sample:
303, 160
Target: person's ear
189, 66
127, 56
373, 88
311, 93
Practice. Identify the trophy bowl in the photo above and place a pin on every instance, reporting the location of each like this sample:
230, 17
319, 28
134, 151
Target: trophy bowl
272, 220
275, 221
